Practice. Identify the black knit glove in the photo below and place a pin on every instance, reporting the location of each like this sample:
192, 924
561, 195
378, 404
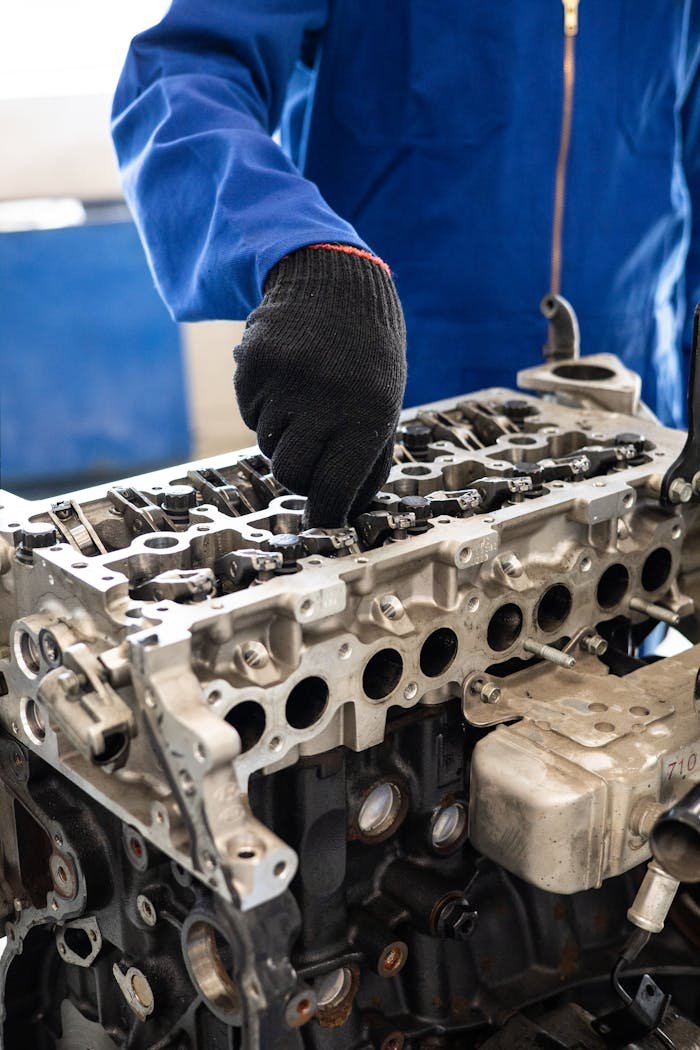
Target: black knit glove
321, 375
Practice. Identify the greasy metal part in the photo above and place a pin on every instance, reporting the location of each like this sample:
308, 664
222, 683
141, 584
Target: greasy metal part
563, 335
675, 838
680, 483
248, 711
136, 991
654, 899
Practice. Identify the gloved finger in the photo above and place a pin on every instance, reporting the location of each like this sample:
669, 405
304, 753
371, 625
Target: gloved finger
298, 452
341, 472
250, 396
377, 477
273, 420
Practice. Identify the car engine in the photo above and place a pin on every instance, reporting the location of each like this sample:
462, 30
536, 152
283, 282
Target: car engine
420, 783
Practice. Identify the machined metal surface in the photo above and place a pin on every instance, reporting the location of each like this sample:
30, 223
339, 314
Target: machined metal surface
169, 642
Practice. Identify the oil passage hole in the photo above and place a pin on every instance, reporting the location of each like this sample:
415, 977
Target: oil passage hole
416, 472
438, 651
554, 607
161, 543
656, 569
306, 702
248, 719
612, 586
382, 674
504, 627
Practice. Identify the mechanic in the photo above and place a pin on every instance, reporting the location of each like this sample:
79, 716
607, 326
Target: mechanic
486, 151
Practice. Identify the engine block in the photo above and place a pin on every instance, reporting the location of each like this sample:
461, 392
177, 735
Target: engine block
254, 772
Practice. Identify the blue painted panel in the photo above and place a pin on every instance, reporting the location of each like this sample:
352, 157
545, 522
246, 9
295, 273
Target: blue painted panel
91, 376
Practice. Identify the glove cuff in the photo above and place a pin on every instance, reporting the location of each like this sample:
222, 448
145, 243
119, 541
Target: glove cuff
350, 249
349, 282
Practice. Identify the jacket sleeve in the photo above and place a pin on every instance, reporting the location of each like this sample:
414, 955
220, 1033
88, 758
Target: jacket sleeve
690, 115
216, 200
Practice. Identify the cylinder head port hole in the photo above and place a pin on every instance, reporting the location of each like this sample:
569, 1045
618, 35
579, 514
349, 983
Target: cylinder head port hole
504, 627
382, 674
612, 586
306, 702
553, 608
438, 652
248, 719
656, 569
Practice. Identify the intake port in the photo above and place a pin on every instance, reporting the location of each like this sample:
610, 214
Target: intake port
656, 569
438, 651
612, 586
382, 674
554, 607
248, 719
306, 702
504, 627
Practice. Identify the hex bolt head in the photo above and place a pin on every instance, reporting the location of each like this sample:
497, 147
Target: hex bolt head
490, 693
179, 498
418, 505
456, 919
680, 491
415, 436
518, 409
35, 535
594, 644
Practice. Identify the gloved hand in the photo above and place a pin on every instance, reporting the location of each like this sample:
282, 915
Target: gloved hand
321, 375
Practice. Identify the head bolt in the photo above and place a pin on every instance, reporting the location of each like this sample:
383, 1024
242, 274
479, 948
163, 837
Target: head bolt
680, 491
35, 535
594, 644
487, 692
456, 919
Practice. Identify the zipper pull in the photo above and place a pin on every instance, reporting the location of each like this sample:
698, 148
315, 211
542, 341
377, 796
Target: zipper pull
570, 17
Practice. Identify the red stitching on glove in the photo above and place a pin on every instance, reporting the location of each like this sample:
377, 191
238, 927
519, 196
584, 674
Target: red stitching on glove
349, 249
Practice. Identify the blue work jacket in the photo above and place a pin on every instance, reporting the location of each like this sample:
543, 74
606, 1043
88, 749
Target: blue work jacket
430, 133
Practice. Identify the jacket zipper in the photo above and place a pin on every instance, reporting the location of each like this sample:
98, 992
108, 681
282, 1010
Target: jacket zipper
569, 72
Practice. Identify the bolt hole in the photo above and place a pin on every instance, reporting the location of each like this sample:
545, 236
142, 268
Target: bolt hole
33, 720
160, 543
29, 653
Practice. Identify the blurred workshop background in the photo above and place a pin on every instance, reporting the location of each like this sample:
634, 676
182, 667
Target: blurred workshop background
96, 381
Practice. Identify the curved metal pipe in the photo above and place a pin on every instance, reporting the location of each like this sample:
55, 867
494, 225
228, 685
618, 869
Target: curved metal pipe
675, 838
